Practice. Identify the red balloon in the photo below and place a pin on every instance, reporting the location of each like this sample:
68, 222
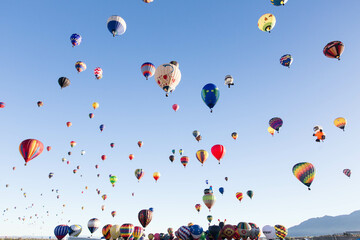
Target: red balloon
175, 107
30, 149
218, 151
48, 148
103, 157
2, 104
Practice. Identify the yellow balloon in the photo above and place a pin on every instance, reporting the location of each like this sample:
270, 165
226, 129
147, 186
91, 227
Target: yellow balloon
271, 130
340, 122
266, 22
95, 105
115, 231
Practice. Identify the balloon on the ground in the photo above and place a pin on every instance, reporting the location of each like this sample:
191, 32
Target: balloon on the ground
126, 230
280, 231
61, 231
269, 232
75, 230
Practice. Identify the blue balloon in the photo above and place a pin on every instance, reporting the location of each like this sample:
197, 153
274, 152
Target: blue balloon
75, 39
102, 126
206, 181
61, 231
210, 95
116, 25
196, 231
221, 190
151, 209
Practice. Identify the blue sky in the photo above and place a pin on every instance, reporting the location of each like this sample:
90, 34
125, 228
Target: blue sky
209, 39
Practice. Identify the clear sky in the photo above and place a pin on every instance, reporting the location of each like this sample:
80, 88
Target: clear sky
209, 39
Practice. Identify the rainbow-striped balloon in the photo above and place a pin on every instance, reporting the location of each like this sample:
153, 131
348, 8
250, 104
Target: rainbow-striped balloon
305, 172
148, 69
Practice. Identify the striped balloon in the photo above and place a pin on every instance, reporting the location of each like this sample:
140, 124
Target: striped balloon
75, 39
184, 232
305, 172
138, 232
126, 230
244, 230
80, 66
334, 49
280, 231
184, 160
286, 60
93, 225
106, 231
98, 72
347, 172
145, 217
30, 149
276, 123
202, 155
61, 231
239, 196
148, 69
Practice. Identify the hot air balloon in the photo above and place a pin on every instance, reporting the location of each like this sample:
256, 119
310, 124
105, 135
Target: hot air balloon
102, 126
172, 158
226, 178
72, 144
80, 66
184, 232
106, 231
244, 230
51, 175
209, 200
234, 135
98, 72
239, 196
209, 218
140, 143
168, 76
229, 81
173, 151
69, 153
198, 207
218, 151
75, 39
151, 236
148, 69
269, 232
61, 231
64, 82
228, 231
113, 180
95, 105
280, 231
40, 103
117, 26
278, 2
131, 156
175, 107
210, 95
126, 230
196, 231
14, 168
250, 193
180, 152
221, 190
93, 225
104, 197
184, 161
48, 148
113, 213
254, 232
148, 1
91, 115
276, 123
202, 155
145, 217
305, 172
196, 133
82, 152
271, 131
30, 149
340, 122
266, 22
286, 60
320, 135
138, 232
139, 173
156, 176
2, 104
103, 207
112, 145
347, 172
334, 49
75, 230
103, 157
74, 171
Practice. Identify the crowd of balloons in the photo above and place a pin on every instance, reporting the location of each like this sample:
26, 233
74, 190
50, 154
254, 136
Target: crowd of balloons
168, 77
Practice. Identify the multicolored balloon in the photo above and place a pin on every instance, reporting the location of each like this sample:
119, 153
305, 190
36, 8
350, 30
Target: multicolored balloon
184, 160
106, 231
98, 72
148, 69
280, 231
276, 123
145, 217
286, 60
239, 196
156, 176
168, 76
202, 156
113, 180
126, 230
278, 2
75, 39
75, 230
61, 231
234, 135
30, 149
209, 200
304, 172
271, 131
198, 207
95, 105
80, 66
340, 122
138, 232
93, 225
347, 172
210, 95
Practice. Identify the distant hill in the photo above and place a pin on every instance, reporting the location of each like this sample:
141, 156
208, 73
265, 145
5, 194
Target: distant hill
326, 225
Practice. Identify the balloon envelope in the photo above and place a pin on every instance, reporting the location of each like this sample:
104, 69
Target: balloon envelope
61, 231
210, 95
30, 149
266, 22
116, 25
